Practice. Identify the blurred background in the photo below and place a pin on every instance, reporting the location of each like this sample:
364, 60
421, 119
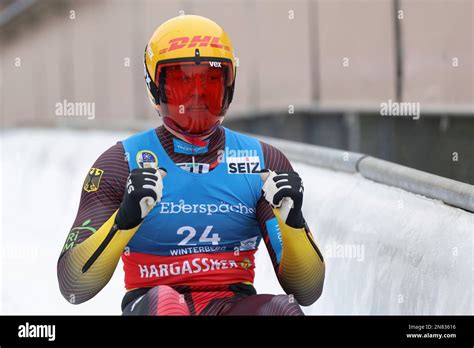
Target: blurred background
311, 71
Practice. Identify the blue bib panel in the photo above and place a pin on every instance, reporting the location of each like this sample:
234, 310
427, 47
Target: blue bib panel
200, 212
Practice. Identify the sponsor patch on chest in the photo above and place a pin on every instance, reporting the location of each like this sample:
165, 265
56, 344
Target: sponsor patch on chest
243, 165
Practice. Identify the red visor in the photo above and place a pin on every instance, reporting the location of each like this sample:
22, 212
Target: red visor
194, 95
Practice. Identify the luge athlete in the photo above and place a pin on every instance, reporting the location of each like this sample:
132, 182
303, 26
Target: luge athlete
185, 205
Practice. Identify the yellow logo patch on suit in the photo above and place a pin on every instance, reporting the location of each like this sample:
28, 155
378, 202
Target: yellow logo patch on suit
92, 182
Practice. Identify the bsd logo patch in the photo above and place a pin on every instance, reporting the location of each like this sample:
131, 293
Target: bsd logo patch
243, 165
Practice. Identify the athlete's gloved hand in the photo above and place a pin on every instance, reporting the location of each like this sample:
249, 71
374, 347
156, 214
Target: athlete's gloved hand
144, 189
285, 190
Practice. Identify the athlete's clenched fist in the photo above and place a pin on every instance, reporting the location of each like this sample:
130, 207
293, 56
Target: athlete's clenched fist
144, 189
281, 186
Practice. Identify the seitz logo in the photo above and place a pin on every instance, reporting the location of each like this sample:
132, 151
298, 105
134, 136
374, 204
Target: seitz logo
195, 41
243, 165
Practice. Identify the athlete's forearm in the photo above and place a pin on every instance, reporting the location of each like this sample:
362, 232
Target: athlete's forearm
301, 269
83, 272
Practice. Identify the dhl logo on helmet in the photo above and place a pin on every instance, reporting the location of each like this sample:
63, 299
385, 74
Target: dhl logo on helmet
181, 42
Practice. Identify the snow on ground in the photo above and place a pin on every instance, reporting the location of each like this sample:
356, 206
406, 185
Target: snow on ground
387, 251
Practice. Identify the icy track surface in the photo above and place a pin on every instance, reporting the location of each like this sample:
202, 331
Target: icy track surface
387, 251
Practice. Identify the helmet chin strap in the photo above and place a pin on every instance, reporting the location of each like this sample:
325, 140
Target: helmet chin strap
198, 141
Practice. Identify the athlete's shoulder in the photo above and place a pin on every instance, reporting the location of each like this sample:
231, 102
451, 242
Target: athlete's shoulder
110, 170
274, 158
113, 154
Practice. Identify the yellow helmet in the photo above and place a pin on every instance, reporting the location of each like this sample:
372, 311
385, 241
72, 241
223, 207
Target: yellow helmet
190, 71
